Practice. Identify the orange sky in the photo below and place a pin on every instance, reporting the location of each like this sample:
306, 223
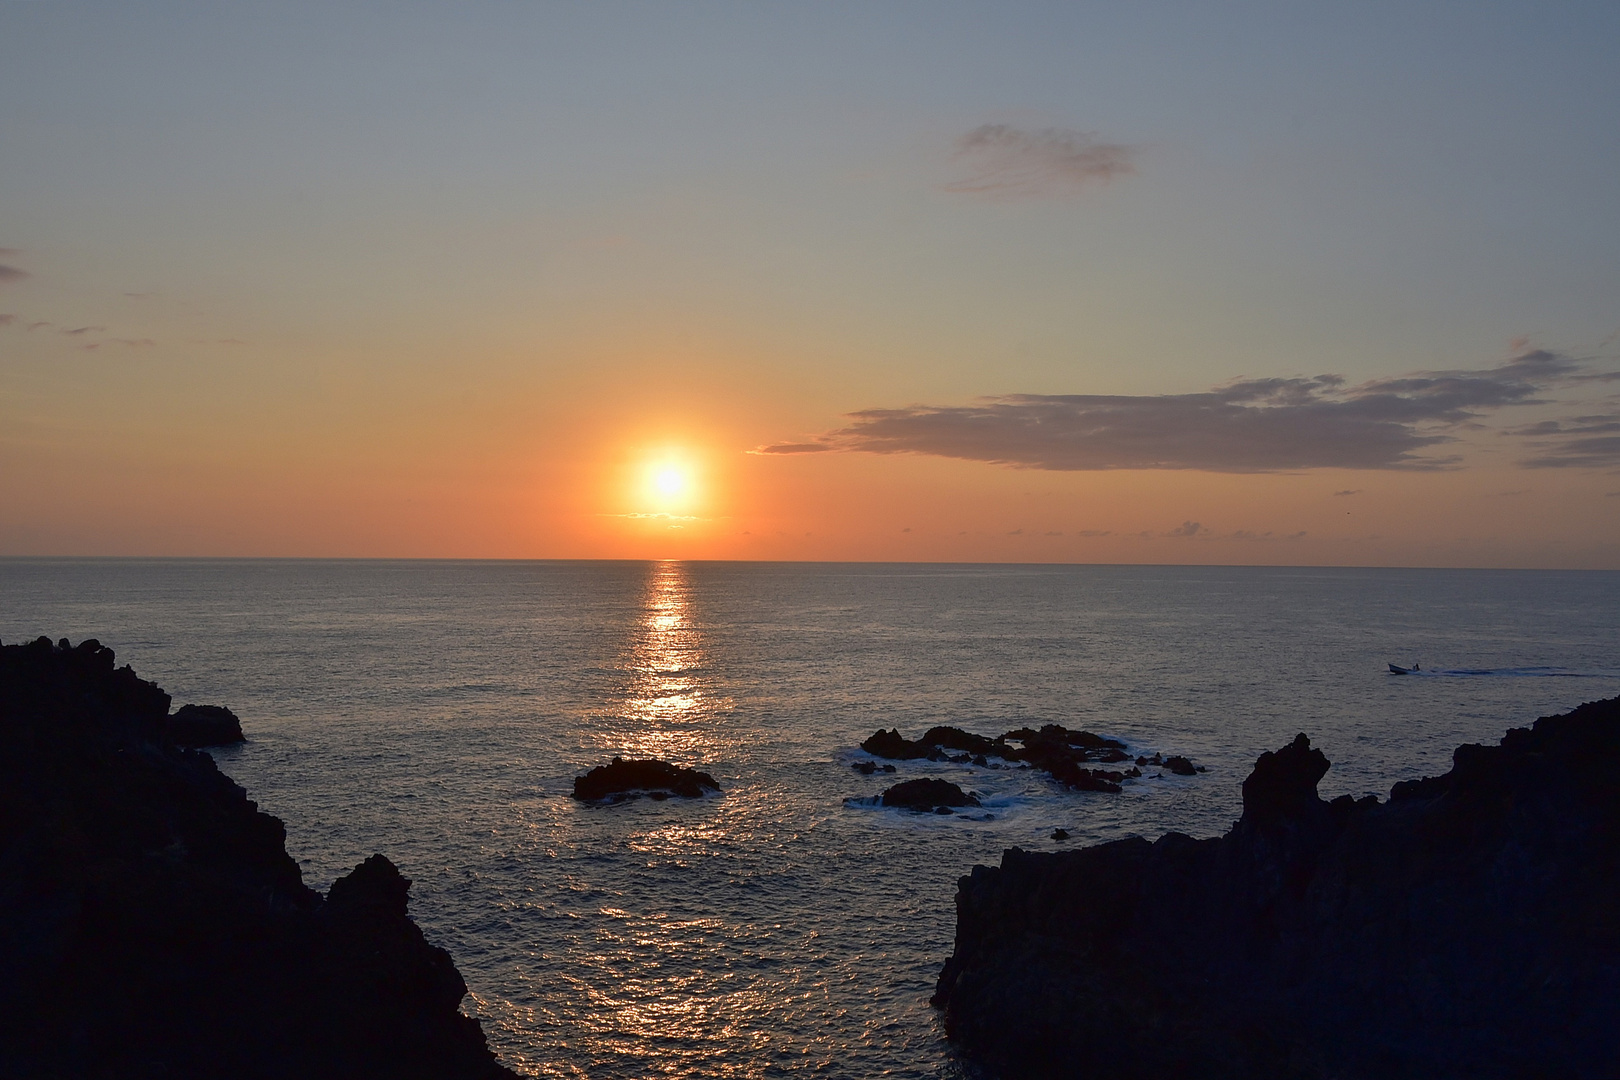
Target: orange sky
278, 284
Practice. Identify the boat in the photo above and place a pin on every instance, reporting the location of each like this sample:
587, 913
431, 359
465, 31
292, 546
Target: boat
1396, 669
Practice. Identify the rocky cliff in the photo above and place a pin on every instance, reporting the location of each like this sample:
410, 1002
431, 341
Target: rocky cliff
153, 925
1467, 926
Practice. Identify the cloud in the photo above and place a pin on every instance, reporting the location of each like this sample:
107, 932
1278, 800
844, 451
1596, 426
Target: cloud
1579, 442
1244, 426
1006, 162
7, 320
1349, 491
8, 274
797, 448
1187, 528
84, 330
133, 343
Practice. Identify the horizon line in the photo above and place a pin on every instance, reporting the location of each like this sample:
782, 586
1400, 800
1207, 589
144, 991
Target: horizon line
4, 558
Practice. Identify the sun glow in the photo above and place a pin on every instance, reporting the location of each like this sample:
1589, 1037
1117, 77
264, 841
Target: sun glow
669, 485
670, 482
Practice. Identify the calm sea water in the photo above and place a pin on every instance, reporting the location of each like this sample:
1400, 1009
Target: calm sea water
439, 711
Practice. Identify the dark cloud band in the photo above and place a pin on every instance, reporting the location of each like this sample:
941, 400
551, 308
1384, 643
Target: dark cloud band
1247, 426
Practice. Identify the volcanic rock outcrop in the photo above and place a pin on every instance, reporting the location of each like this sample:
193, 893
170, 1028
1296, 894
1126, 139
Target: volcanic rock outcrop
153, 925
1054, 748
629, 779
927, 794
1466, 927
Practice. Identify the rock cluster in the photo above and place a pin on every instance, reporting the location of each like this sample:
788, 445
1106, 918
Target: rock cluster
630, 779
1466, 927
153, 925
1057, 750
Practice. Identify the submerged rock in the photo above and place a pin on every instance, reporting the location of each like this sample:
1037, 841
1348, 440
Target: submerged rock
1463, 928
927, 794
152, 923
627, 779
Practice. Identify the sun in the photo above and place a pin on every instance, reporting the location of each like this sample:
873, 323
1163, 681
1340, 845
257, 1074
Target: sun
669, 484
670, 481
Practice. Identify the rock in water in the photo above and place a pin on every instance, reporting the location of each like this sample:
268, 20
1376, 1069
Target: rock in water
627, 779
927, 794
1054, 748
153, 925
197, 726
1464, 928
891, 744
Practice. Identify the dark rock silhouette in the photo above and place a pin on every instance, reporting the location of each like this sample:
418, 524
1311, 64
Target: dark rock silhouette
1061, 752
867, 768
153, 925
629, 779
891, 744
198, 726
927, 794
1464, 928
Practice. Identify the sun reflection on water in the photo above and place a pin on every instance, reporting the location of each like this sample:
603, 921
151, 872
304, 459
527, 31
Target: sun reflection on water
670, 701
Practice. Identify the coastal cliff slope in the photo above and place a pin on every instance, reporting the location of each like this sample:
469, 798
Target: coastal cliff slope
1467, 926
153, 925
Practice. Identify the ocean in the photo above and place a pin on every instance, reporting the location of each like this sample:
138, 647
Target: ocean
438, 712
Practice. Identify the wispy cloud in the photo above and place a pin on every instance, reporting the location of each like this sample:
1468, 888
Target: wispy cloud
1187, 529
659, 517
9, 274
1579, 442
7, 320
1244, 426
1265, 537
1006, 162
799, 448
131, 343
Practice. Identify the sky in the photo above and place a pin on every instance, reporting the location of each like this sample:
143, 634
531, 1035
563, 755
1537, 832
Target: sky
1315, 284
